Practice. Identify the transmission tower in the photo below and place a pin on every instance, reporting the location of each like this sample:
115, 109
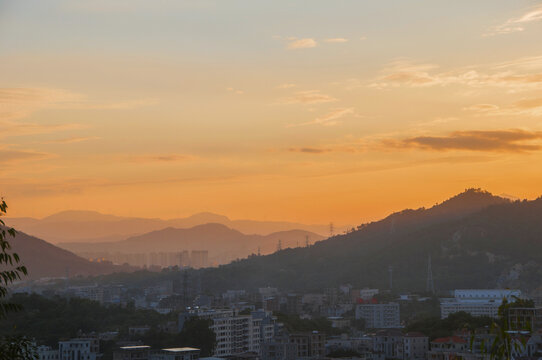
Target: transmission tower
306, 240
279, 245
390, 270
331, 229
430, 286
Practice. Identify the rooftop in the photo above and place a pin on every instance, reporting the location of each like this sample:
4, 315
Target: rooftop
181, 349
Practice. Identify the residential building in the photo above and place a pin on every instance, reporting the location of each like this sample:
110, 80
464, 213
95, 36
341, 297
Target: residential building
184, 353
414, 346
310, 345
79, 349
387, 342
138, 352
528, 319
476, 302
379, 316
46, 353
449, 348
235, 334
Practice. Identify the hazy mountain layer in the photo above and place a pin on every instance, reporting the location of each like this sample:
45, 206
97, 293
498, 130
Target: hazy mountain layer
89, 226
222, 242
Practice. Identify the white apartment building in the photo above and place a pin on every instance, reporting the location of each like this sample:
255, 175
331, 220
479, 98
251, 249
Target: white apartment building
235, 334
379, 316
477, 302
78, 349
46, 353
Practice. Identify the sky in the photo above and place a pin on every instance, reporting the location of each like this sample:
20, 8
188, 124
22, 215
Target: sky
310, 111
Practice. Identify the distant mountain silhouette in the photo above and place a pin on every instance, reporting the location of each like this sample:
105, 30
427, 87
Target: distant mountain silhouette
223, 243
91, 226
43, 259
475, 239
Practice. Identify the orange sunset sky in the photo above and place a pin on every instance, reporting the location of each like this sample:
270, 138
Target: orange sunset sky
310, 111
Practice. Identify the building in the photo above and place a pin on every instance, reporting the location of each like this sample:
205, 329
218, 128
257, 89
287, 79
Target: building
476, 302
235, 334
310, 345
141, 352
199, 259
46, 353
379, 316
94, 293
387, 342
414, 346
278, 350
528, 319
79, 349
184, 353
449, 348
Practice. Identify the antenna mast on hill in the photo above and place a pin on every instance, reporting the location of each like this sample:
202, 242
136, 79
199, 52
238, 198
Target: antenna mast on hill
259, 254
390, 270
279, 245
430, 287
306, 240
331, 229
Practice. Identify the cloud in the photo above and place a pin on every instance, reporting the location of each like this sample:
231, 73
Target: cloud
9, 156
310, 150
72, 140
161, 158
336, 40
308, 97
512, 140
235, 91
17, 128
531, 107
295, 43
332, 118
17, 103
519, 74
286, 86
517, 24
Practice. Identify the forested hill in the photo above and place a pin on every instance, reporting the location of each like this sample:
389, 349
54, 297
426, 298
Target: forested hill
46, 260
475, 240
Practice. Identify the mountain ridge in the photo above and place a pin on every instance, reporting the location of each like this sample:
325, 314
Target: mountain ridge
481, 244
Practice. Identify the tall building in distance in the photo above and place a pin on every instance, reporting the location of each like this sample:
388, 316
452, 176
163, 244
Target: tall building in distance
379, 316
199, 259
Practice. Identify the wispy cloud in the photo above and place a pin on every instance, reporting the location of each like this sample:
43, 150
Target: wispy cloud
308, 97
531, 107
332, 118
235, 91
517, 24
286, 86
10, 156
18, 128
17, 103
336, 40
161, 158
72, 140
305, 43
519, 74
511, 140
310, 150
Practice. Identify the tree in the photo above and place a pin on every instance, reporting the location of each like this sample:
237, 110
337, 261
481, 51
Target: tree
11, 269
197, 332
